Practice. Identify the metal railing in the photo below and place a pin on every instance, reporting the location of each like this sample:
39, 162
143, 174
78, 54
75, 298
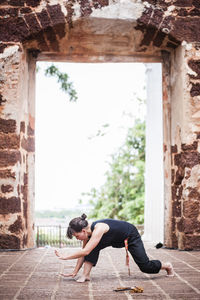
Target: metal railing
55, 236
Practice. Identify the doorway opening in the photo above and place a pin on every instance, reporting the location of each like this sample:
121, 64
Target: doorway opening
74, 141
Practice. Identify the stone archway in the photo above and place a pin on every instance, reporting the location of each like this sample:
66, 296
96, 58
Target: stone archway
99, 31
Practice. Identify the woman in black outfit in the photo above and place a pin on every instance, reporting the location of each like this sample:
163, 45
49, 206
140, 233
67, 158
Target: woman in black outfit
104, 233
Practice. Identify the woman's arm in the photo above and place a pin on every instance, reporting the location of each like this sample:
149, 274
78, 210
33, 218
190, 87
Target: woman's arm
80, 260
78, 265
77, 268
97, 234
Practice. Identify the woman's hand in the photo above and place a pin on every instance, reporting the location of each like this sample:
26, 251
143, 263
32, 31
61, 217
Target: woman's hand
58, 255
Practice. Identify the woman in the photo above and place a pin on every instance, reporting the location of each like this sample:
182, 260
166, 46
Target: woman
104, 233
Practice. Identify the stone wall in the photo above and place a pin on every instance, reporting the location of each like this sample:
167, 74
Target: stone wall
185, 149
89, 31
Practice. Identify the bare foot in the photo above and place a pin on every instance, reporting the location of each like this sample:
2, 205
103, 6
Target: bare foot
83, 279
68, 275
169, 268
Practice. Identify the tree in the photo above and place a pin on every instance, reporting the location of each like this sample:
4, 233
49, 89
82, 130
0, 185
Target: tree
63, 79
122, 195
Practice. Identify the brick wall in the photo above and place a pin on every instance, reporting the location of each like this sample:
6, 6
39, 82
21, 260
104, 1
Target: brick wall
100, 30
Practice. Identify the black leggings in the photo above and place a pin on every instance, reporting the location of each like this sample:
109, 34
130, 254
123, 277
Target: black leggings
136, 248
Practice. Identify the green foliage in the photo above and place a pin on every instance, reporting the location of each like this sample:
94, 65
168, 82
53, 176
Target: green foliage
63, 79
122, 195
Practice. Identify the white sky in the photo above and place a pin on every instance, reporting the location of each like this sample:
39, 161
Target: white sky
68, 160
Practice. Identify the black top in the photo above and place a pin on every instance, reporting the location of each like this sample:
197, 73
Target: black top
118, 232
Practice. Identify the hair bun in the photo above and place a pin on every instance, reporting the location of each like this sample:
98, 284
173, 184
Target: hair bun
83, 217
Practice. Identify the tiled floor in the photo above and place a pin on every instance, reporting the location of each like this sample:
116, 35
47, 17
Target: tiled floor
33, 274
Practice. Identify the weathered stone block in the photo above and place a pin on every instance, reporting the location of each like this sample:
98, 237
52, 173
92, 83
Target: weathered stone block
7, 126
148, 36
174, 241
100, 3
17, 226
187, 159
9, 158
174, 190
24, 191
2, 47
182, 12
30, 130
2, 101
7, 188
180, 225
157, 17
51, 36
17, 2
195, 89
194, 194
7, 174
191, 226
25, 178
11, 12
196, 3
9, 242
9, 141
41, 42
173, 223
25, 240
33, 3
158, 40
180, 173
188, 225
174, 149
25, 10
177, 192
183, 3
56, 14
10, 205
33, 24
25, 213
191, 209
172, 175
22, 127
167, 24
144, 19
187, 29
60, 30
44, 18
192, 146
171, 45
176, 208
192, 242
194, 12
28, 144
13, 29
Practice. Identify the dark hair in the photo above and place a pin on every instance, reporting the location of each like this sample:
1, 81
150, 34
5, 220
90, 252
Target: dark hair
76, 225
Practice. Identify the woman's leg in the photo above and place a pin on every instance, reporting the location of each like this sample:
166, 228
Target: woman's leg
136, 248
86, 272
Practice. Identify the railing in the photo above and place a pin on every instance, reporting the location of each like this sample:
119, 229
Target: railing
55, 236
